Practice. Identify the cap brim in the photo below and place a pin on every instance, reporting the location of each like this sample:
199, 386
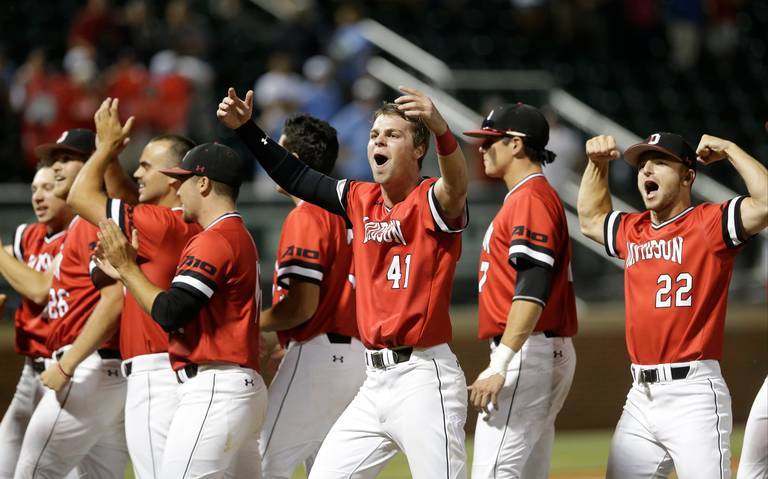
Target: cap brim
44, 152
632, 154
176, 172
484, 133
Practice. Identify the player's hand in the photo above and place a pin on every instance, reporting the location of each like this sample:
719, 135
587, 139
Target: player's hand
415, 104
3, 299
275, 357
54, 378
115, 247
110, 134
104, 265
712, 149
234, 112
602, 149
485, 391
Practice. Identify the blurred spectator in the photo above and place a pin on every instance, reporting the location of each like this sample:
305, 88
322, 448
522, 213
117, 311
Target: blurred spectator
95, 27
188, 33
171, 90
684, 23
143, 29
348, 47
200, 122
323, 94
278, 93
353, 124
723, 32
568, 145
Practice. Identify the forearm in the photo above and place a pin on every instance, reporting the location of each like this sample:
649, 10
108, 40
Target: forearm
521, 319
33, 285
287, 171
143, 290
86, 196
594, 200
754, 174
453, 172
101, 325
118, 184
296, 307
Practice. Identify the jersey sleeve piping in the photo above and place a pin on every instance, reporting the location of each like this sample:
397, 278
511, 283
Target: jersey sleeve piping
437, 215
611, 231
18, 246
523, 249
302, 270
194, 282
732, 226
116, 213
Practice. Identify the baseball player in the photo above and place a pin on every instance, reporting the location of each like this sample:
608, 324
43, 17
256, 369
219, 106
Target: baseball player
79, 420
313, 312
35, 245
753, 463
211, 311
405, 248
678, 263
527, 308
151, 398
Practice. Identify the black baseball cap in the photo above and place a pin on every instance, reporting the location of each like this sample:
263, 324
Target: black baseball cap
516, 119
669, 143
214, 160
77, 140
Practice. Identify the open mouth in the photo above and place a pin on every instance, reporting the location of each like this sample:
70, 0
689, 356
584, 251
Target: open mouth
651, 187
380, 159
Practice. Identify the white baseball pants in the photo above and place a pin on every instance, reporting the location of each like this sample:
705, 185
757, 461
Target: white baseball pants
418, 407
515, 440
150, 404
82, 425
215, 431
683, 424
754, 454
315, 382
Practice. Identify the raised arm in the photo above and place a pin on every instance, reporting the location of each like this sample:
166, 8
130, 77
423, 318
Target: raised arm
594, 202
291, 174
451, 188
33, 285
86, 197
754, 208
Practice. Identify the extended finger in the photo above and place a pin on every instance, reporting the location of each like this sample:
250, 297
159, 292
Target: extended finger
135, 239
409, 106
406, 98
410, 90
231, 93
249, 99
128, 125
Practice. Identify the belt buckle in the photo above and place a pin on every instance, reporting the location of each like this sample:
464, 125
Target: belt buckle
649, 376
377, 360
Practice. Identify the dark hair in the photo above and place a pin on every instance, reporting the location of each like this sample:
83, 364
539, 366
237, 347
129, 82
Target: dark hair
223, 189
541, 156
313, 141
418, 128
178, 146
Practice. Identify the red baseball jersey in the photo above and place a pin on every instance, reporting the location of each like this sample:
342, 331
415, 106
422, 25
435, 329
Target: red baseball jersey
34, 246
531, 227
676, 279
404, 260
220, 265
315, 247
163, 234
72, 295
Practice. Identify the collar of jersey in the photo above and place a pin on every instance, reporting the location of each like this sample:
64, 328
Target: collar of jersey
49, 238
677, 216
231, 214
520, 183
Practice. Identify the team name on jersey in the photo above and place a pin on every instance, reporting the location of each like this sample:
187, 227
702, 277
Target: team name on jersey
40, 262
383, 231
669, 250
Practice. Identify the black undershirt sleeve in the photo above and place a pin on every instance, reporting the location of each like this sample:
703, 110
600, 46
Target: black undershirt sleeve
291, 174
533, 282
174, 308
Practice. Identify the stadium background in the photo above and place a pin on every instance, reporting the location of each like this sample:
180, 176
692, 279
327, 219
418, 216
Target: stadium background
621, 67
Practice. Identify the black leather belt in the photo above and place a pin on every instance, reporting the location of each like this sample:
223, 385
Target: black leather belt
38, 365
650, 376
399, 355
103, 354
336, 338
547, 334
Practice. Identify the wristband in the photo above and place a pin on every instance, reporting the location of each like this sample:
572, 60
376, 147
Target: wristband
446, 143
58, 364
500, 360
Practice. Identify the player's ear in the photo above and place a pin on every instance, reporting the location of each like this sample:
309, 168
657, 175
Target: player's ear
689, 177
205, 185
